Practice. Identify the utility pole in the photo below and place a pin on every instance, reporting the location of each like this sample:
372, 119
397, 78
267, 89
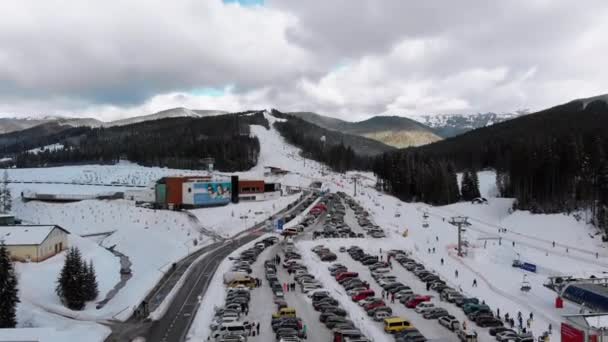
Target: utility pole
355, 180
459, 221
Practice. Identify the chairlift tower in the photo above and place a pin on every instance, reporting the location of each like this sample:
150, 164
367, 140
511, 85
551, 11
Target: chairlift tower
460, 221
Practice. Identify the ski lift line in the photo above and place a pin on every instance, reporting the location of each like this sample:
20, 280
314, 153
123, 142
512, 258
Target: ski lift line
554, 252
536, 247
538, 311
581, 250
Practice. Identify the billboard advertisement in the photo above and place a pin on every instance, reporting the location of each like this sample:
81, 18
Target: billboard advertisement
211, 193
279, 224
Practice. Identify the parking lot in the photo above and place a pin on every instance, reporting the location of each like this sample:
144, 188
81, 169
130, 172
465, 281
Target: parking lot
363, 291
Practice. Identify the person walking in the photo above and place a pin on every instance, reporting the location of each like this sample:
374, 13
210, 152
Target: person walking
550, 328
441, 261
456, 273
257, 328
433, 250
531, 316
474, 282
498, 313
392, 297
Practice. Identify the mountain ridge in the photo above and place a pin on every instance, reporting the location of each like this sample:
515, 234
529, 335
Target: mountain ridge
394, 131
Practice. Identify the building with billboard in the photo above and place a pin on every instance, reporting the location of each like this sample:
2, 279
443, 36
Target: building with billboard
184, 192
199, 193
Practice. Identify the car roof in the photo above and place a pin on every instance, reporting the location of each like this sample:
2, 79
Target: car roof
394, 320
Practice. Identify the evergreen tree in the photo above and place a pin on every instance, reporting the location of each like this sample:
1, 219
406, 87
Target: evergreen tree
8, 290
465, 186
470, 185
475, 184
71, 282
6, 200
91, 287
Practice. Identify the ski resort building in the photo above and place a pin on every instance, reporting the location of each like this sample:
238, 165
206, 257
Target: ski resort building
204, 191
258, 190
31, 243
585, 328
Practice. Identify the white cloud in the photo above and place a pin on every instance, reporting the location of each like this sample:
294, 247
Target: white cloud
116, 59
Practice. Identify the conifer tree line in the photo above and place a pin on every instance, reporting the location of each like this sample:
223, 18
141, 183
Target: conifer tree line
9, 297
469, 188
174, 142
331, 151
414, 177
550, 162
77, 283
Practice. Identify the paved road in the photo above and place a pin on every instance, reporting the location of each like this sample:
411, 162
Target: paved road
174, 325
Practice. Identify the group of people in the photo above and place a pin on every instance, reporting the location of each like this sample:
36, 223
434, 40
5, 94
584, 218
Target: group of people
387, 295
289, 287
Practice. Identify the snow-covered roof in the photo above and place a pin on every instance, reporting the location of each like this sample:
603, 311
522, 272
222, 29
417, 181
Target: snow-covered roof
25, 235
598, 322
29, 334
6, 215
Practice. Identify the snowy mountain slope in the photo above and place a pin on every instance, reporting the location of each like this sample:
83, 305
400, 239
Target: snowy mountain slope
169, 113
449, 125
8, 125
394, 131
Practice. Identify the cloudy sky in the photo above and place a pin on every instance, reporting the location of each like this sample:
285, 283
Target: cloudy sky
344, 58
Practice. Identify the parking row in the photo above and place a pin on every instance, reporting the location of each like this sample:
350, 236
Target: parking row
476, 311
229, 323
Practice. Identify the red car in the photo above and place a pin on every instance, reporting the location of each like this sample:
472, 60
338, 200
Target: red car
345, 275
412, 303
362, 295
374, 304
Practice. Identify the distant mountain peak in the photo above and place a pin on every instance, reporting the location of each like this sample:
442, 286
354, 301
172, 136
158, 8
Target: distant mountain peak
449, 125
392, 130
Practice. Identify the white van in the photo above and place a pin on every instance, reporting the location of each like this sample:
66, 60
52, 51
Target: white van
232, 328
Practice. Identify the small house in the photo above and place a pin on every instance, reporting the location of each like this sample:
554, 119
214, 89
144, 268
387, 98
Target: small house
33, 243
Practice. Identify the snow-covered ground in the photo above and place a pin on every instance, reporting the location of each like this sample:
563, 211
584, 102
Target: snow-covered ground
37, 280
122, 173
141, 233
499, 283
234, 218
